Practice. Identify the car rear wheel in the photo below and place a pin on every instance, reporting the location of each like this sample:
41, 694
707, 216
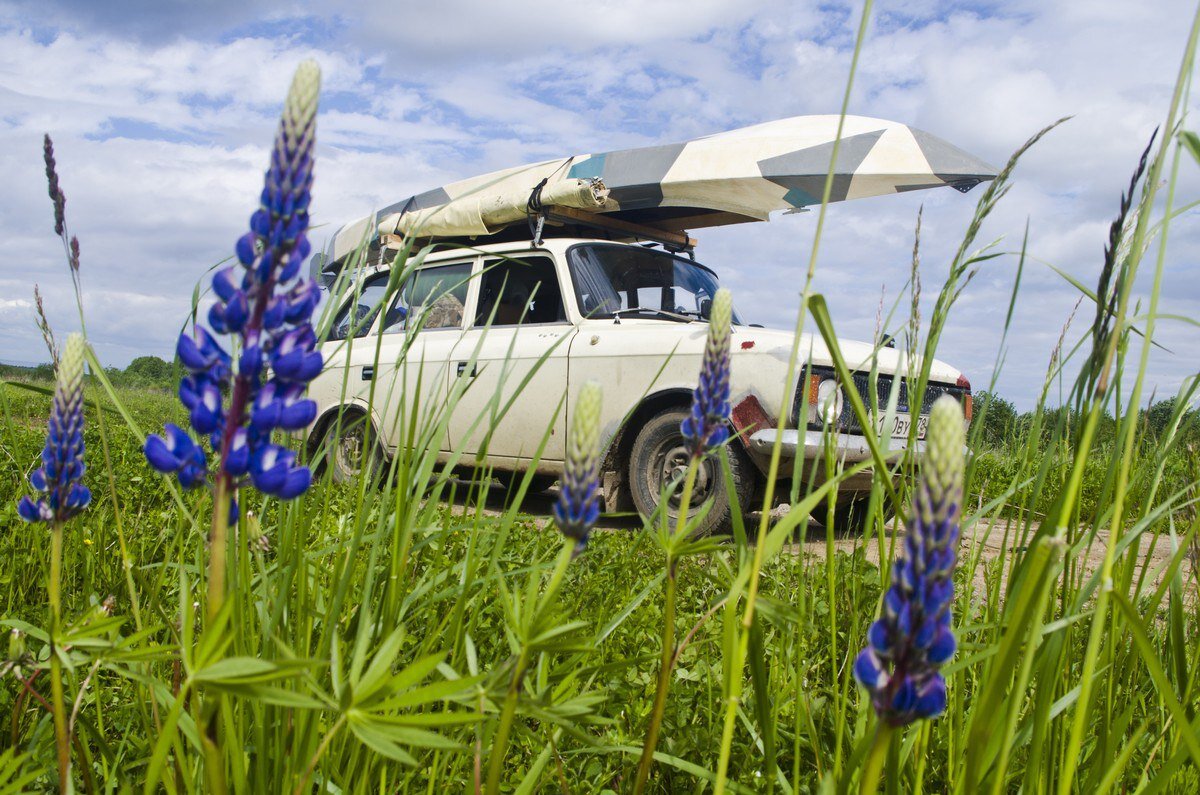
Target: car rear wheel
659, 456
351, 448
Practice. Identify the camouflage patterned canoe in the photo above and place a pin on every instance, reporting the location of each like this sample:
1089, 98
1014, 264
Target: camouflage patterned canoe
732, 177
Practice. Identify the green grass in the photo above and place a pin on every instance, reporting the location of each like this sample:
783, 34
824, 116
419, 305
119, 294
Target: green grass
449, 599
340, 569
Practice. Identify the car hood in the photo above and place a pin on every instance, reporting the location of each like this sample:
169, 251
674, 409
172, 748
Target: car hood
777, 344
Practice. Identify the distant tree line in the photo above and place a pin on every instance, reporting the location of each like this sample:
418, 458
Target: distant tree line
1002, 426
144, 372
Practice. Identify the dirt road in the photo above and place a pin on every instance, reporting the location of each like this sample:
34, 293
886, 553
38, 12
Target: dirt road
984, 540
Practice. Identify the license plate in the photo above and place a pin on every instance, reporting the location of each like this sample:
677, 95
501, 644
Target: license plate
898, 426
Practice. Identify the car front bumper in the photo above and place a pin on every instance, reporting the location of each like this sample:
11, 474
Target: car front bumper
848, 447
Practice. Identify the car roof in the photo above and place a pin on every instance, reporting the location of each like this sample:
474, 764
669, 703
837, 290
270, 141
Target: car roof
451, 252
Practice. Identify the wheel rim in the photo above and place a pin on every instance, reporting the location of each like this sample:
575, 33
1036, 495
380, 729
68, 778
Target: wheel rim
669, 463
348, 451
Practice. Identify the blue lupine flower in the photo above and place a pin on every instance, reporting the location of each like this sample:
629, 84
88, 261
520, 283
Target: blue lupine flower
913, 638
62, 458
177, 453
578, 505
706, 426
268, 308
273, 470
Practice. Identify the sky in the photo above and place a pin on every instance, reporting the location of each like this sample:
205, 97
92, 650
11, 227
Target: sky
162, 113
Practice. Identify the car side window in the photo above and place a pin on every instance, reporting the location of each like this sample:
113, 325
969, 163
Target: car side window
437, 296
520, 291
356, 317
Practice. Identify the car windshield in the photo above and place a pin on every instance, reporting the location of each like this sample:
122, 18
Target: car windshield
614, 278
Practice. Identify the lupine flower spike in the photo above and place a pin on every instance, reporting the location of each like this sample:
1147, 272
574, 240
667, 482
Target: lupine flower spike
58, 479
578, 503
913, 638
267, 307
706, 426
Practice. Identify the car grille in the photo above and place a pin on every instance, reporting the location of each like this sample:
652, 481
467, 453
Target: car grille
847, 421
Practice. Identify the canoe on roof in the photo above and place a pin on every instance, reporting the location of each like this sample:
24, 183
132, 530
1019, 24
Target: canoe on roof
731, 177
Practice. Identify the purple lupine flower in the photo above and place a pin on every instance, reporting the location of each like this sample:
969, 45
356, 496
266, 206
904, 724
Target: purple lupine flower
578, 505
913, 638
268, 309
176, 452
706, 426
62, 458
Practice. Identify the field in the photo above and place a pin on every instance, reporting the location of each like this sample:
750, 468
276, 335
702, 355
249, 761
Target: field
408, 578
424, 631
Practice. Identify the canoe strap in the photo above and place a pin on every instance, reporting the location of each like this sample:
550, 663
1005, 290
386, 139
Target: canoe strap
536, 212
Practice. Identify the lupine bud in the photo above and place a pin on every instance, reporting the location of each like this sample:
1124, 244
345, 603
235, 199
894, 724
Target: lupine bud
16, 645
18, 655
256, 538
269, 309
705, 427
578, 505
62, 458
913, 638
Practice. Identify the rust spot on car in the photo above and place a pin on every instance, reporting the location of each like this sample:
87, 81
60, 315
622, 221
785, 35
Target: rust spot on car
749, 416
747, 345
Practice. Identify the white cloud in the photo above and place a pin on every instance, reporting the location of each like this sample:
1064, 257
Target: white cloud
162, 115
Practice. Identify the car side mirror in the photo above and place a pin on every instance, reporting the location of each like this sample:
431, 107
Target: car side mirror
705, 308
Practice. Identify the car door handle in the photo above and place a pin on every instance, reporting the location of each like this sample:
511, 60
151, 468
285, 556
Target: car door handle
368, 372
462, 368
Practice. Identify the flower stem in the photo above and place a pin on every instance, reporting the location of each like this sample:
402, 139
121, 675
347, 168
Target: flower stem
560, 571
211, 706
668, 640
62, 741
509, 711
874, 766
324, 746
664, 682
217, 551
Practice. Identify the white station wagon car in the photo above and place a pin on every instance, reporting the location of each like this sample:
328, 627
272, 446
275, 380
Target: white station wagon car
552, 280
538, 322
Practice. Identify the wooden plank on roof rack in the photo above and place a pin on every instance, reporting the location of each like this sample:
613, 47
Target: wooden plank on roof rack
601, 221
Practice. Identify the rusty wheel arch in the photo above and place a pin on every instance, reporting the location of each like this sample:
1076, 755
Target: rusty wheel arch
316, 433
614, 466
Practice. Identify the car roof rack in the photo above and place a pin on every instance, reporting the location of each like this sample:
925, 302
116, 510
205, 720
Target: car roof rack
676, 241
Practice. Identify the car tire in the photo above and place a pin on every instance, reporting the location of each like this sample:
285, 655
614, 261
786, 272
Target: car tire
352, 449
659, 453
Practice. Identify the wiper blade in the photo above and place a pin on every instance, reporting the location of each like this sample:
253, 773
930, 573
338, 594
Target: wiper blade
637, 310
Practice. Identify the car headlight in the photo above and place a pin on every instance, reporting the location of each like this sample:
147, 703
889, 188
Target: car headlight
825, 400
829, 401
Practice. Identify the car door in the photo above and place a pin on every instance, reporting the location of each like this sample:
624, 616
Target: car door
418, 333
514, 350
349, 351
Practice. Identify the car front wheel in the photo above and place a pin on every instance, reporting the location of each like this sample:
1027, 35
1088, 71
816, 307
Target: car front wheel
659, 456
351, 448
